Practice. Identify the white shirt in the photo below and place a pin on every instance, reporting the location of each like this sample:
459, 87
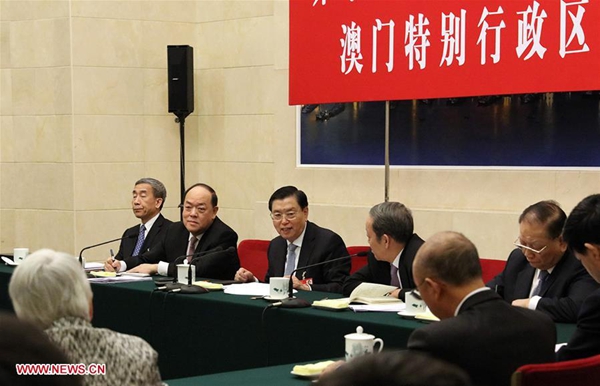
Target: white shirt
148, 226
396, 263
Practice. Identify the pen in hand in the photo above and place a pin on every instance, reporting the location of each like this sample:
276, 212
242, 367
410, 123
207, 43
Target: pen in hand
112, 255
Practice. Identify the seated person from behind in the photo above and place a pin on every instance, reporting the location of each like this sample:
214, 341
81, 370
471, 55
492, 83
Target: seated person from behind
200, 232
582, 233
51, 291
393, 245
396, 369
149, 197
478, 331
542, 273
300, 243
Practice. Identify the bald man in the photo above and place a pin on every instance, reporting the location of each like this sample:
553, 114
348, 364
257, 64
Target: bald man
478, 331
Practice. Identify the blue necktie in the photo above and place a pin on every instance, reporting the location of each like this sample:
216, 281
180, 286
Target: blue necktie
540, 286
140, 241
290, 263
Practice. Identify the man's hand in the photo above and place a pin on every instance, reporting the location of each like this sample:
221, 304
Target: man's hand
111, 265
151, 269
244, 276
332, 367
394, 294
521, 303
298, 284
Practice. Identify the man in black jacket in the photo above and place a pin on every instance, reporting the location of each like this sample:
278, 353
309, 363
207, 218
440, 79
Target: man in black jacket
393, 248
148, 199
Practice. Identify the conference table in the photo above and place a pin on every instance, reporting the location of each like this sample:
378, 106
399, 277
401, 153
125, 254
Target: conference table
216, 332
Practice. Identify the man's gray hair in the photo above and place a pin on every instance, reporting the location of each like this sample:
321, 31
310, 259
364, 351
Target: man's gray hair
50, 285
158, 189
393, 219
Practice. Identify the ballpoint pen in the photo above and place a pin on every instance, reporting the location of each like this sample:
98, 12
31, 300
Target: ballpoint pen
112, 255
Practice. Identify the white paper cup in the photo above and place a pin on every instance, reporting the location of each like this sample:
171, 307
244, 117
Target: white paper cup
182, 273
279, 287
19, 254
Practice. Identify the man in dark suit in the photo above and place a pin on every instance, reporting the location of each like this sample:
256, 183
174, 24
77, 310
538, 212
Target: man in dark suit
478, 331
542, 273
300, 243
148, 199
582, 235
193, 239
393, 247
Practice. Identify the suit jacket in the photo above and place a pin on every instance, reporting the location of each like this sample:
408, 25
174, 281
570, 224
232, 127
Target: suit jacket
489, 339
129, 360
175, 243
379, 271
585, 341
154, 237
319, 244
563, 294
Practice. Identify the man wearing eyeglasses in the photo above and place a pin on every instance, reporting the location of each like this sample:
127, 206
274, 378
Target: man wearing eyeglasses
200, 231
542, 273
478, 331
148, 198
582, 233
300, 243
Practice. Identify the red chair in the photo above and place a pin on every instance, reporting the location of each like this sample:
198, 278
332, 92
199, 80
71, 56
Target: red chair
359, 261
578, 372
253, 256
490, 268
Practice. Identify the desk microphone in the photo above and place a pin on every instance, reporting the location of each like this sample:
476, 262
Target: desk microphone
189, 288
290, 302
104, 243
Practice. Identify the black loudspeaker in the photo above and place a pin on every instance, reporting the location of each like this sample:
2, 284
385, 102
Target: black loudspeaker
181, 80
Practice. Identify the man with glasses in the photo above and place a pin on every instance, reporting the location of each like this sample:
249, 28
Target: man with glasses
301, 243
542, 273
478, 331
148, 199
582, 233
193, 239
393, 245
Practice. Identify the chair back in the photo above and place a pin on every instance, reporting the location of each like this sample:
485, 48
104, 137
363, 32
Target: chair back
578, 372
490, 268
253, 256
359, 261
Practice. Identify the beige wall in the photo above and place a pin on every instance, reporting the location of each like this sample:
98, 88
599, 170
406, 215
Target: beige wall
83, 114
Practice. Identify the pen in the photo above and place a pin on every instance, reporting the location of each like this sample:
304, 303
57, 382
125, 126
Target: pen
112, 254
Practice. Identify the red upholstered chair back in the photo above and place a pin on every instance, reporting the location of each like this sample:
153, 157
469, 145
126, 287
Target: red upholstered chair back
253, 256
490, 268
578, 372
359, 261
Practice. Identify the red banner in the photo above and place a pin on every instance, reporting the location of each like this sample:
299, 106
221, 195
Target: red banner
369, 50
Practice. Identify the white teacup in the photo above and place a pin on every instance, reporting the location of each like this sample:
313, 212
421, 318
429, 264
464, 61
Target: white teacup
182, 273
414, 305
359, 344
19, 254
279, 287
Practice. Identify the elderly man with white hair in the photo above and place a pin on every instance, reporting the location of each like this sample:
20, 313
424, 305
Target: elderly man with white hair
50, 290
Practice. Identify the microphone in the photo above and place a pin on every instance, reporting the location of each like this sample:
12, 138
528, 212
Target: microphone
189, 288
290, 302
104, 243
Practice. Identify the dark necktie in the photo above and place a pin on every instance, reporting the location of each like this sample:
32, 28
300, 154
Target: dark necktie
394, 273
140, 241
191, 248
540, 286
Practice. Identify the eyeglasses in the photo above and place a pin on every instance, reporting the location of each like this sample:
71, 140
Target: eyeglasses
519, 245
189, 208
280, 216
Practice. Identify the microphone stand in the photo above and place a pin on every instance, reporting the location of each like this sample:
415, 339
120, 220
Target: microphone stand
104, 243
290, 302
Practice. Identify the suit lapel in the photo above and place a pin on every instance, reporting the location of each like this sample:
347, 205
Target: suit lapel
153, 232
307, 247
555, 273
280, 251
523, 284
